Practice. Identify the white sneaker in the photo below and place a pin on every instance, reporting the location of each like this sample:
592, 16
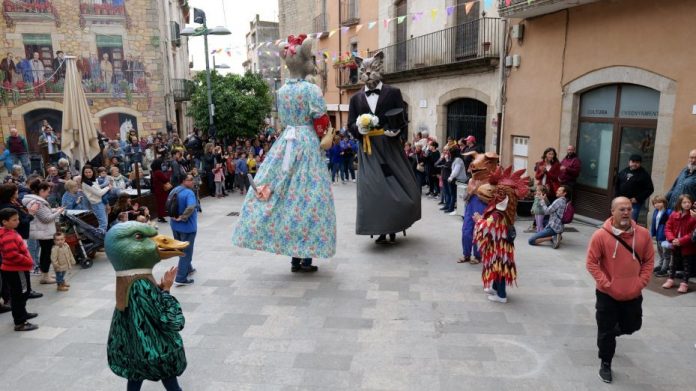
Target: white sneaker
454, 213
490, 291
497, 299
353, 180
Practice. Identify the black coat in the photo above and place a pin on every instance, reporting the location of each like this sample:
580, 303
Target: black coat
389, 98
634, 184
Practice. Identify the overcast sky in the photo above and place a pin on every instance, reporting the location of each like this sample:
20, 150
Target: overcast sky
235, 15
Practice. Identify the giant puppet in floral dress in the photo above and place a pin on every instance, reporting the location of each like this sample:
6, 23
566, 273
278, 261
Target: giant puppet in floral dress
292, 212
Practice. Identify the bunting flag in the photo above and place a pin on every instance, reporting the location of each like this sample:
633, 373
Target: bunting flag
468, 6
415, 16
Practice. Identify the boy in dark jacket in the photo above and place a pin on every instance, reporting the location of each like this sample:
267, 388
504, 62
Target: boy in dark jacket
16, 263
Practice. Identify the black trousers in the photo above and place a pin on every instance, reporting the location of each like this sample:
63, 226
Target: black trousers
18, 282
680, 261
615, 318
45, 258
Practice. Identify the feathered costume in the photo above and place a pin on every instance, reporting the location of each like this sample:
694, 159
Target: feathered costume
494, 232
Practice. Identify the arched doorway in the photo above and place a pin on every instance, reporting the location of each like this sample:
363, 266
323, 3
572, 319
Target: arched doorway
615, 121
117, 125
32, 123
466, 117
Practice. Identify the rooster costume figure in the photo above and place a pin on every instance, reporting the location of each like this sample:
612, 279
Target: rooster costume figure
494, 232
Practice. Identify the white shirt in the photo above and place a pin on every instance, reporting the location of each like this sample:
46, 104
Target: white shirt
372, 99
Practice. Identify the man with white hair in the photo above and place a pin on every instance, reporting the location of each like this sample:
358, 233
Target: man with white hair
685, 182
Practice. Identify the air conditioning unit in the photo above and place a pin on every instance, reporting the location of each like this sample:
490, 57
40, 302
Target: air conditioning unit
517, 31
175, 34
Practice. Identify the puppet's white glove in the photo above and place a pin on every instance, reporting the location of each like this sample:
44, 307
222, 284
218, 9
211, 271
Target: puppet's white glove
391, 133
362, 130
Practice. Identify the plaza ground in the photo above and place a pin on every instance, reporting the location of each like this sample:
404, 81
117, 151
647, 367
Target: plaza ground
403, 317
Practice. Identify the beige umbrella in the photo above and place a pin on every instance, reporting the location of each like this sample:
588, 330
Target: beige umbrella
79, 137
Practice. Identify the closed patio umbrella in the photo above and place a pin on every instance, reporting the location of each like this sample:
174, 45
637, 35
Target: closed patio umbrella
79, 137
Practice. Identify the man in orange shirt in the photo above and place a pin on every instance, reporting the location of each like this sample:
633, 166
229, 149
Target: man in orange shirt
620, 258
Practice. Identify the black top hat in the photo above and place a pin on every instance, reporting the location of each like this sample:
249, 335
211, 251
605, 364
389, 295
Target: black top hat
395, 119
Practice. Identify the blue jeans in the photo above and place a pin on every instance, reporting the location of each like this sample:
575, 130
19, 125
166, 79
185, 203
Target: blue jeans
60, 277
347, 167
446, 193
33, 246
452, 204
636, 211
544, 233
22, 159
170, 384
336, 169
475, 205
100, 211
187, 258
499, 287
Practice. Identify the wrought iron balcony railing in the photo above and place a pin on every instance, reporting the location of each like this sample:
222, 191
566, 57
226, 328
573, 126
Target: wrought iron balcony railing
349, 12
92, 7
527, 9
469, 42
29, 11
348, 77
320, 23
182, 89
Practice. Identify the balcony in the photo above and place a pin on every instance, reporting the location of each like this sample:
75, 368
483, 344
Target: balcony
467, 48
349, 12
348, 77
31, 11
524, 9
98, 12
320, 23
182, 89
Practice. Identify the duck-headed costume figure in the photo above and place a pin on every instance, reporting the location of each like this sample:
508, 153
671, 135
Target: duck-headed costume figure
494, 233
144, 341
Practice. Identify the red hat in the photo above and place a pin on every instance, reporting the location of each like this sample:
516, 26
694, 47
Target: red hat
471, 139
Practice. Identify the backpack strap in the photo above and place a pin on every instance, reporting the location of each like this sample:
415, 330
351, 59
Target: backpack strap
626, 245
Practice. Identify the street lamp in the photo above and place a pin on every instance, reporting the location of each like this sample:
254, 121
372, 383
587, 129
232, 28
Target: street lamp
199, 17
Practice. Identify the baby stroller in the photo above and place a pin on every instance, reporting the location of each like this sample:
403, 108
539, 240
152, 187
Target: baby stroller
83, 238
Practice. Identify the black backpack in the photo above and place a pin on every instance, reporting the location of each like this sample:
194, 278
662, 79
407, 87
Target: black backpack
172, 204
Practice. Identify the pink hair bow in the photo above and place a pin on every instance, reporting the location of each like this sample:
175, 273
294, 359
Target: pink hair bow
292, 42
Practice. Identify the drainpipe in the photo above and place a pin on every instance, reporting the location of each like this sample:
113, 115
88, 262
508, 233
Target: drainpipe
339, 118
501, 97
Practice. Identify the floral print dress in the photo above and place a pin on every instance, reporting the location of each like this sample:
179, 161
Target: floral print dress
299, 219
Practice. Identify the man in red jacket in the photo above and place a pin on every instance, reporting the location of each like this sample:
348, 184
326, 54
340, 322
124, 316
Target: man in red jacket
620, 258
16, 262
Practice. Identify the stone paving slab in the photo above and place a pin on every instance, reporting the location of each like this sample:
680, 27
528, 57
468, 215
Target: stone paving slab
402, 317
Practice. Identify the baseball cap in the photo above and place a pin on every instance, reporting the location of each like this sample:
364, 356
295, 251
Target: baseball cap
471, 139
635, 158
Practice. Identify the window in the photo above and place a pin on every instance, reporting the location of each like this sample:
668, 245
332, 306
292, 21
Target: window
520, 152
110, 52
41, 44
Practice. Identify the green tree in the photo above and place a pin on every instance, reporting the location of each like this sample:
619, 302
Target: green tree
242, 102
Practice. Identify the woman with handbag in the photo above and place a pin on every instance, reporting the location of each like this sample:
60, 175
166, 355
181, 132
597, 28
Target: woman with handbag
160, 188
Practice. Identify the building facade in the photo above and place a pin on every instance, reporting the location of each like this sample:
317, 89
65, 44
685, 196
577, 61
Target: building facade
613, 78
444, 56
127, 54
263, 58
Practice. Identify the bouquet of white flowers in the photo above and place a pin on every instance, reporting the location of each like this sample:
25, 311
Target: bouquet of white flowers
366, 123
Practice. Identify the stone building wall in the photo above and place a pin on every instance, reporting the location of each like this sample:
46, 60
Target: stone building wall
75, 35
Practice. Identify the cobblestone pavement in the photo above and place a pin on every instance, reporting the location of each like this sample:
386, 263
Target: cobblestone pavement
403, 317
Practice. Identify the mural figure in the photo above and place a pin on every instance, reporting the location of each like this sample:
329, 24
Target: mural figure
24, 69
107, 71
95, 67
58, 66
8, 68
38, 73
84, 68
125, 129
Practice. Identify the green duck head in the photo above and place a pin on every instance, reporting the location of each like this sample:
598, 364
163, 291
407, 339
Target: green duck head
134, 245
